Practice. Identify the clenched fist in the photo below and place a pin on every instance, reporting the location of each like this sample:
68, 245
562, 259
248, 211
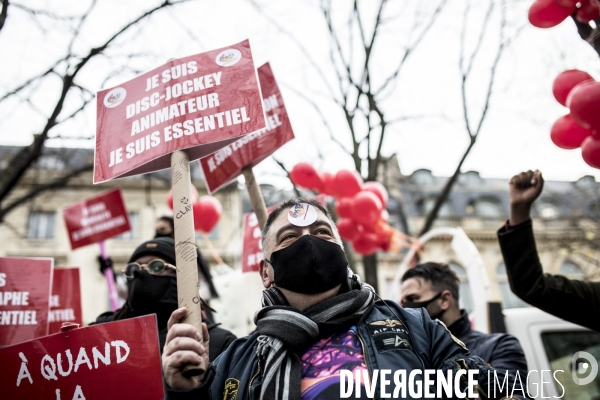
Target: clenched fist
524, 189
183, 347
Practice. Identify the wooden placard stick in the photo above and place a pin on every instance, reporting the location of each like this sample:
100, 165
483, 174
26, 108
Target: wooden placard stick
258, 203
185, 248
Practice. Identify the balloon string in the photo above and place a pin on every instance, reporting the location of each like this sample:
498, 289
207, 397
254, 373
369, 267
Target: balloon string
210, 246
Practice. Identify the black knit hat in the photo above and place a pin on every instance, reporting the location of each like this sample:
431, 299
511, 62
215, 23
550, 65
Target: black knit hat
161, 247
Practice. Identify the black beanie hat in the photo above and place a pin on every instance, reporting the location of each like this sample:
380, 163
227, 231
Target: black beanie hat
162, 247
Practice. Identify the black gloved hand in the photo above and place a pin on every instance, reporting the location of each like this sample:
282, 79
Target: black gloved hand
587, 33
106, 263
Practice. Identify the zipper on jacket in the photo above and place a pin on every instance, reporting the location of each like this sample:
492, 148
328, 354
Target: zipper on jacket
254, 377
364, 354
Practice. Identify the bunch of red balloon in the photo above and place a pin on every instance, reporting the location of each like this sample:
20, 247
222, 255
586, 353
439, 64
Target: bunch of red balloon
360, 206
549, 13
207, 210
578, 91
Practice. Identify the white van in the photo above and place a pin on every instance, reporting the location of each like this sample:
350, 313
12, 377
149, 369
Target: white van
550, 345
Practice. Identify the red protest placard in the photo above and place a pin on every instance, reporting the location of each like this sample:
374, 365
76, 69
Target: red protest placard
200, 103
117, 360
226, 164
96, 219
251, 246
65, 302
25, 285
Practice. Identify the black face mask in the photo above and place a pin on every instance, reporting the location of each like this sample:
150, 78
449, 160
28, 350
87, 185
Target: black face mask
151, 293
310, 265
424, 304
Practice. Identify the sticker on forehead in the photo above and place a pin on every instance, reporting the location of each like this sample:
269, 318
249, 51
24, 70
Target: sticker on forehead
302, 214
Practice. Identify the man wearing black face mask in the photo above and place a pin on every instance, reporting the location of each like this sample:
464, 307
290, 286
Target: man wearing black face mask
152, 289
434, 287
315, 322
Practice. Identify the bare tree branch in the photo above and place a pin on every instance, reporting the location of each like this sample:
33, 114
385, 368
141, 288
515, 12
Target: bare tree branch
287, 173
587, 33
25, 158
409, 49
57, 183
303, 49
3, 13
29, 82
79, 25
321, 115
465, 74
35, 12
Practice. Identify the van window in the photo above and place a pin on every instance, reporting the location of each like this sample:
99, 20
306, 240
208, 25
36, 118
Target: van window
560, 348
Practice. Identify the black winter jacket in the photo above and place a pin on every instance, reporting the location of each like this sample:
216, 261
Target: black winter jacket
501, 350
426, 345
565, 298
220, 338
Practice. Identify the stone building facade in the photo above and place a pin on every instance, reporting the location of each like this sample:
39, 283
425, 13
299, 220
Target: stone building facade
37, 229
566, 222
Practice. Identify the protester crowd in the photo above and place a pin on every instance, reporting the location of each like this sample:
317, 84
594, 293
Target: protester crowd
318, 319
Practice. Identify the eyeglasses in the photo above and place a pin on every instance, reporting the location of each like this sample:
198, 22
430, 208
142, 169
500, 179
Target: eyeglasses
154, 267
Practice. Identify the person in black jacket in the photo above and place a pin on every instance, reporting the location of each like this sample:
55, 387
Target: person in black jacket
152, 289
565, 298
435, 287
317, 321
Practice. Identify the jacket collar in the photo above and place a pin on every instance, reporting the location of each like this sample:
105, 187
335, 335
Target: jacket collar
461, 326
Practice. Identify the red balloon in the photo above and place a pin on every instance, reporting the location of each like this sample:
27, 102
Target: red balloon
306, 176
590, 151
367, 208
343, 207
170, 199
584, 103
385, 240
588, 11
379, 190
548, 13
566, 81
207, 212
328, 184
366, 243
348, 229
568, 134
348, 183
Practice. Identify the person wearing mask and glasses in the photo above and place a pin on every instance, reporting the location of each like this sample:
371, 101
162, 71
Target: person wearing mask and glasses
152, 289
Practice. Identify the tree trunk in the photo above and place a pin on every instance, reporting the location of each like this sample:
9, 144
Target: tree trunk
370, 265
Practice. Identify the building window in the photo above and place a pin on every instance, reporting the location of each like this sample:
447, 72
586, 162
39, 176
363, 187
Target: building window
470, 179
546, 209
487, 207
51, 162
422, 177
586, 182
427, 206
509, 299
464, 292
571, 270
41, 225
134, 233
